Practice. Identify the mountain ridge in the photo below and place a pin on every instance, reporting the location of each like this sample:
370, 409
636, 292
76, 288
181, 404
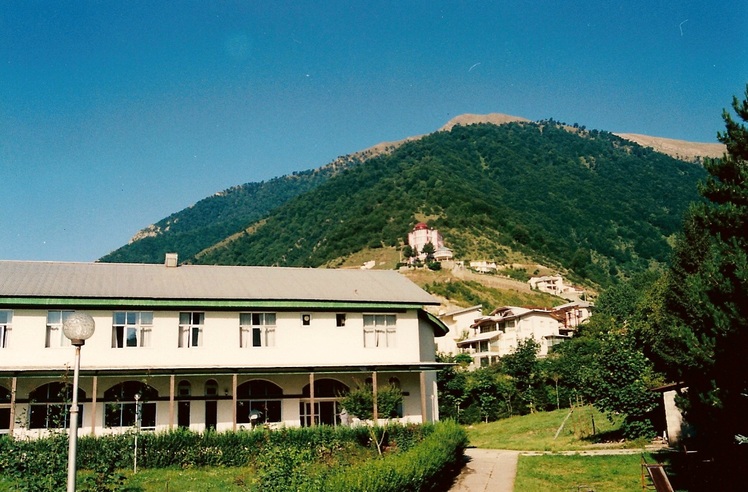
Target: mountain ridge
472, 147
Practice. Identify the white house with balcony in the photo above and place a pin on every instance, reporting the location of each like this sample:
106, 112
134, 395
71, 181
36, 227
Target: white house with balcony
208, 347
458, 321
498, 334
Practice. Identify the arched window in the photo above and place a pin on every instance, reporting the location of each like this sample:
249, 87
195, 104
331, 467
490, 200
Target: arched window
327, 388
184, 389
122, 409
259, 399
50, 406
211, 388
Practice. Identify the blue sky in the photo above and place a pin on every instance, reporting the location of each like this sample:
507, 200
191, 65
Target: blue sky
115, 114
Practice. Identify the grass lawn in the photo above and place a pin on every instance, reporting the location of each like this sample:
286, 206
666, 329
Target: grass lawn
609, 473
536, 432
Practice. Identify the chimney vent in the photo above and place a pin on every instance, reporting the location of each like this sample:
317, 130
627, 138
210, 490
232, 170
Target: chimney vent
172, 260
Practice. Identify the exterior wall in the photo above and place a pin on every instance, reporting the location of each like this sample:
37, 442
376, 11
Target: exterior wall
459, 325
321, 343
322, 347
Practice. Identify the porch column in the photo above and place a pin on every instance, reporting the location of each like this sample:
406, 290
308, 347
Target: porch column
423, 397
95, 383
171, 401
374, 389
13, 385
311, 398
234, 384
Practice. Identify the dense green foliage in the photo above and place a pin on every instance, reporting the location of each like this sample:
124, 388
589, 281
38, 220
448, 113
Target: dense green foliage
592, 202
217, 217
359, 401
705, 298
472, 293
586, 200
288, 459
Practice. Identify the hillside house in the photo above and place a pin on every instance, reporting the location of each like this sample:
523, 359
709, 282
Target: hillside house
496, 335
483, 266
458, 322
422, 235
207, 347
552, 284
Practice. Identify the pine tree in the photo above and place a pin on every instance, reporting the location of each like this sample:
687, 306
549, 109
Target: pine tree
707, 345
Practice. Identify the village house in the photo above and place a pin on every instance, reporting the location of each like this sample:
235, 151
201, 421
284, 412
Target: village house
458, 321
552, 284
494, 336
208, 347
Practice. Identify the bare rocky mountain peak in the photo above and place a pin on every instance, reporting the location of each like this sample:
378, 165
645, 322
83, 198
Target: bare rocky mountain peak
679, 149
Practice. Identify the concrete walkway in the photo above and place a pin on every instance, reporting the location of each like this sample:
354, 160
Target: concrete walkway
494, 470
487, 470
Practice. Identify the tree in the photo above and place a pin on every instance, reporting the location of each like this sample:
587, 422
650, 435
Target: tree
707, 296
428, 250
409, 253
359, 402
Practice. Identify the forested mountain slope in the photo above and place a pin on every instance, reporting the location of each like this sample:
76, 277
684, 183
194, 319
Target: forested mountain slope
585, 200
216, 217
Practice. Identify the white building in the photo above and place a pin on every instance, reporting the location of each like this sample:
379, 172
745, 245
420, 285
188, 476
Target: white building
421, 235
204, 346
497, 335
552, 284
459, 322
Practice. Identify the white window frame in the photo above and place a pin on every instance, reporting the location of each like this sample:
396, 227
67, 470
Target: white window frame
139, 324
54, 337
380, 330
191, 324
6, 325
257, 330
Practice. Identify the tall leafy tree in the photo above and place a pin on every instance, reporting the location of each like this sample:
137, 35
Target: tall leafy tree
707, 297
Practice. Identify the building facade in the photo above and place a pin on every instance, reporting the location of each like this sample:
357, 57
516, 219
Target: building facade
208, 347
498, 334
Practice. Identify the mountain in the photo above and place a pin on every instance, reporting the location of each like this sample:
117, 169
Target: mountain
581, 200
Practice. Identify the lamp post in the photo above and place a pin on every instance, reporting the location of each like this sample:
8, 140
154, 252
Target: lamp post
78, 328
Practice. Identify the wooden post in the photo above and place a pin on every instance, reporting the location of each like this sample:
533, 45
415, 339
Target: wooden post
13, 385
95, 383
374, 389
423, 397
234, 384
171, 401
311, 399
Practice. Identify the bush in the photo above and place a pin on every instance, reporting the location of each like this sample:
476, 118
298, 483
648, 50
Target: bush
422, 468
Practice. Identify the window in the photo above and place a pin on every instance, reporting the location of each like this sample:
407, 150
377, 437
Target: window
6, 318
122, 409
380, 330
258, 402
54, 336
306, 319
190, 329
257, 330
131, 329
49, 406
340, 319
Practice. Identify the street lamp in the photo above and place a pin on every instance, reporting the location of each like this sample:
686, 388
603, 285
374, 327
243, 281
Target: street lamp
78, 328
